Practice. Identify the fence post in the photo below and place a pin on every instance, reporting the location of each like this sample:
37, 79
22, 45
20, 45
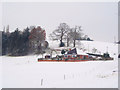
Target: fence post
64, 76
41, 82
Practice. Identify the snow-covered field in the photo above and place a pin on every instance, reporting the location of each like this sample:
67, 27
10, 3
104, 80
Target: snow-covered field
26, 72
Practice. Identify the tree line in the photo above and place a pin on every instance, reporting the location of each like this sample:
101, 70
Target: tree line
32, 40
28, 41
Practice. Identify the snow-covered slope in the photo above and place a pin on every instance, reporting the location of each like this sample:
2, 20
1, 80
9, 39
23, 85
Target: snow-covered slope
26, 72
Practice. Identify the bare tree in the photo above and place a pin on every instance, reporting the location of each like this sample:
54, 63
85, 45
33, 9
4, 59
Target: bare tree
60, 32
75, 34
69, 36
64, 32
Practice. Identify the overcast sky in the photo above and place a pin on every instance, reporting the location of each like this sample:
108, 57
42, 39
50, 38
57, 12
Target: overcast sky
98, 20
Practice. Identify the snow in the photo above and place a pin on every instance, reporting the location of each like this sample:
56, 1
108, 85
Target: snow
26, 72
80, 52
0, 72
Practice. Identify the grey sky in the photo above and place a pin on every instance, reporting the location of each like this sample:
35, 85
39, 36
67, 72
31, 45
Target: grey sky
0, 15
98, 20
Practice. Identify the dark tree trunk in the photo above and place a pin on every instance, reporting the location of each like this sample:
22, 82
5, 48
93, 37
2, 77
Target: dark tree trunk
74, 42
61, 38
67, 42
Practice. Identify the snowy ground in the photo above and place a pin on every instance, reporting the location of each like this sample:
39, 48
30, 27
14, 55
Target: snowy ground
26, 72
0, 72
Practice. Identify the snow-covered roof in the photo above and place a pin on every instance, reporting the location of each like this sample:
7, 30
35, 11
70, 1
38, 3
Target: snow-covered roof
81, 52
78, 50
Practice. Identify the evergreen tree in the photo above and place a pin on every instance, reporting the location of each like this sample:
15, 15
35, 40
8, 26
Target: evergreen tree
4, 43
